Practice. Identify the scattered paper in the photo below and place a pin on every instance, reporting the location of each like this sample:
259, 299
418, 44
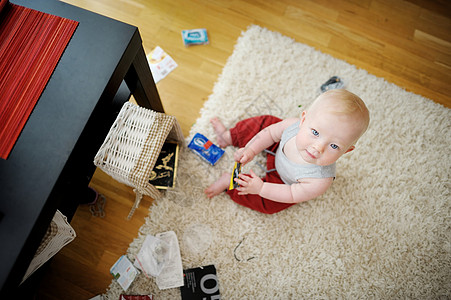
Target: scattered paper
161, 64
172, 274
124, 272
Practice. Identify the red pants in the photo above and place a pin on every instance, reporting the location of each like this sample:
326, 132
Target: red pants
244, 131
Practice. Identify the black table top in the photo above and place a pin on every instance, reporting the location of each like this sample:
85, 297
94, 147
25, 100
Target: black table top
76, 89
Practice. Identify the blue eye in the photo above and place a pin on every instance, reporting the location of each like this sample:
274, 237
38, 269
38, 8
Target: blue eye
334, 146
315, 133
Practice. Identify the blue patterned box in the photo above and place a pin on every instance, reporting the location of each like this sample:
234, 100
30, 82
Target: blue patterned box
205, 149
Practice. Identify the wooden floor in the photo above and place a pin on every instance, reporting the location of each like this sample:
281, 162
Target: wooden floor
406, 42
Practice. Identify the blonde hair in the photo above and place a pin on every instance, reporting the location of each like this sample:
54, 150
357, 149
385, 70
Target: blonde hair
347, 103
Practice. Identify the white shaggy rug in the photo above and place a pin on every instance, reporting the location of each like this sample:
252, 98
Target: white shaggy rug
382, 231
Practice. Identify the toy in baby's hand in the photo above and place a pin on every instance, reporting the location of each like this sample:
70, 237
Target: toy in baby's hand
235, 173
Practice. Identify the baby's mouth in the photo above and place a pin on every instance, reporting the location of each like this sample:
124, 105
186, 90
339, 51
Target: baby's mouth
310, 154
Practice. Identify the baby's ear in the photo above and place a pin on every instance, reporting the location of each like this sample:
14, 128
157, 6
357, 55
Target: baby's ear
302, 117
350, 149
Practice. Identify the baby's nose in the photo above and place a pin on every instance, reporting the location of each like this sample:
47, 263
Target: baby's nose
319, 147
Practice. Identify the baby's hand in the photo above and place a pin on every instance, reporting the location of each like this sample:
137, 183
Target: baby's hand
244, 155
249, 184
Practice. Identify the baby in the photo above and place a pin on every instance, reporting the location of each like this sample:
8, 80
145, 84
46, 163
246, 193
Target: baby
301, 152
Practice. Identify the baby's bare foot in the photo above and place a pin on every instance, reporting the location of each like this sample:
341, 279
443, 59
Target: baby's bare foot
219, 186
223, 135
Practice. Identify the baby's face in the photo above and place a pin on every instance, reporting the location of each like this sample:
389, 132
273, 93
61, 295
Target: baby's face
324, 136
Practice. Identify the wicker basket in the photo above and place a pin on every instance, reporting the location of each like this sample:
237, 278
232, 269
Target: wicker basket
132, 146
59, 234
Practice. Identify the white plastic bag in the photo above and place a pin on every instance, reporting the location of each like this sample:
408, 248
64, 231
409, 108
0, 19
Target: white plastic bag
153, 256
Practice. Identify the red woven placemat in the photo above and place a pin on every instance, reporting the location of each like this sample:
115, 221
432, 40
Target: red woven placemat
31, 44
